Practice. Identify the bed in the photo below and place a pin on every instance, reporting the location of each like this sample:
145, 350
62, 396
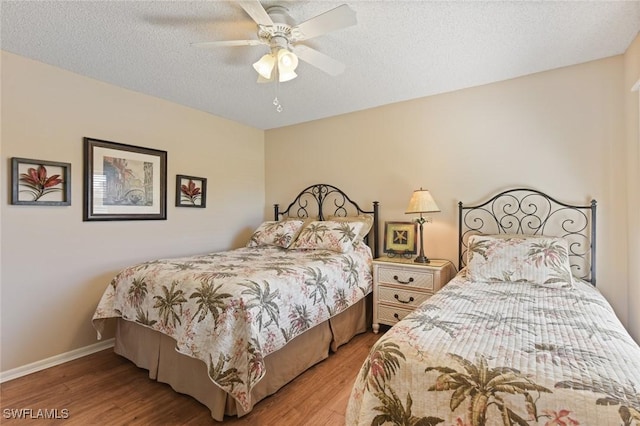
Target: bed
231, 328
521, 335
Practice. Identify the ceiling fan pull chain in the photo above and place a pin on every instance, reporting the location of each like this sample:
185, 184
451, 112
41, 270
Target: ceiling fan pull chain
276, 102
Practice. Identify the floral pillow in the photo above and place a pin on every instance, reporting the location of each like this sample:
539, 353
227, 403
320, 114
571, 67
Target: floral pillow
275, 233
539, 260
329, 235
366, 219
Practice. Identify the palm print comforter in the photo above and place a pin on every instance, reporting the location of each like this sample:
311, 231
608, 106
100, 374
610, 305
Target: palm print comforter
231, 309
502, 354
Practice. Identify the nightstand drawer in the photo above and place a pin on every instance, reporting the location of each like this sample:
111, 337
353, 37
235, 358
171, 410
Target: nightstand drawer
390, 314
405, 277
411, 299
401, 285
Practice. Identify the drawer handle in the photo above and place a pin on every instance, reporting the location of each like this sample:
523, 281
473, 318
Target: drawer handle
411, 299
395, 277
396, 316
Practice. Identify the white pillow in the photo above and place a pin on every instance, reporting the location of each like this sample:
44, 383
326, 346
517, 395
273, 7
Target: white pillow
366, 219
275, 233
329, 235
534, 259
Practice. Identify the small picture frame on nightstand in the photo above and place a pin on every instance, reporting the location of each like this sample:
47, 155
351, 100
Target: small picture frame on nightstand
400, 239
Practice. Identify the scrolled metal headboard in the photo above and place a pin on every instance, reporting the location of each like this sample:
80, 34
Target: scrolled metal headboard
324, 200
531, 212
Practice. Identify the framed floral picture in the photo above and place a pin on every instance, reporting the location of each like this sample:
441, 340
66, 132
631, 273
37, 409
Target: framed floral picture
40, 183
124, 182
191, 191
400, 238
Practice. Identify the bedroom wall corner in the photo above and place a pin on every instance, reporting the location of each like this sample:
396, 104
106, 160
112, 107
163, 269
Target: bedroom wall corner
632, 128
55, 267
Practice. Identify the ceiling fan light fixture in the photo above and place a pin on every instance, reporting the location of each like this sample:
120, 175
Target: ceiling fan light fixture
287, 60
287, 63
286, 76
264, 66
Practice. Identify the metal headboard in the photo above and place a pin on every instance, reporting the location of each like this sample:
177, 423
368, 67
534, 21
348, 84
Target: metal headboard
531, 212
324, 200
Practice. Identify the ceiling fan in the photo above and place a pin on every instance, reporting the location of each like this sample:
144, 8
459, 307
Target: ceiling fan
277, 30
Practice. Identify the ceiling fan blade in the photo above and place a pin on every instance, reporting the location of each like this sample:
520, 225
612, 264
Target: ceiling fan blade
334, 19
257, 12
225, 43
319, 60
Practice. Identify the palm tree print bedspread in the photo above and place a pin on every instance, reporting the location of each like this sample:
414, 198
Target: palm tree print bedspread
231, 309
502, 354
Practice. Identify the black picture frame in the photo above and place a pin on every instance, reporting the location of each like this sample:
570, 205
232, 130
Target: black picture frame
40, 182
191, 191
401, 238
123, 182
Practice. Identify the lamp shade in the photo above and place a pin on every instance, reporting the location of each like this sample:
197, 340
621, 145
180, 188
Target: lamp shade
286, 75
287, 63
265, 66
287, 60
422, 202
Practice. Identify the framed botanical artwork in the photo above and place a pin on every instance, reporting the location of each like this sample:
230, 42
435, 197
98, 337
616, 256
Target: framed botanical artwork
124, 182
40, 183
191, 191
400, 238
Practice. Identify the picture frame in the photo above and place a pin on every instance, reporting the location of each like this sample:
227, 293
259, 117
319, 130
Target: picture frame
400, 238
123, 182
40, 182
191, 191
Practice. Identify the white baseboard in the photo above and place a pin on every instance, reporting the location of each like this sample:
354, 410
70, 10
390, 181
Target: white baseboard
14, 373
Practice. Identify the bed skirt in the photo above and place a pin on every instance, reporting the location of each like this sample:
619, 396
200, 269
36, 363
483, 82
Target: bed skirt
156, 352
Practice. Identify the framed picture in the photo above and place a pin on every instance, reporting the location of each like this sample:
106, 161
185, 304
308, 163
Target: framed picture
400, 238
124, 182
40, 183
191, 191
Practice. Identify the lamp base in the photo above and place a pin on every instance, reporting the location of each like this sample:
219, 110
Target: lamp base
421, 259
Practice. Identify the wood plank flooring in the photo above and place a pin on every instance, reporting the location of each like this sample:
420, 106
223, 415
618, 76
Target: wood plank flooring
106, 389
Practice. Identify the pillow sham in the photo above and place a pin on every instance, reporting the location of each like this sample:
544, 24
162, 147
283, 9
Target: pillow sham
328, 235
305, 222
275, 233
535, 259
366, 219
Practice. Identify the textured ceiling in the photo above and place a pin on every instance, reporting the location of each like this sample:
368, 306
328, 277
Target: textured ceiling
399, 50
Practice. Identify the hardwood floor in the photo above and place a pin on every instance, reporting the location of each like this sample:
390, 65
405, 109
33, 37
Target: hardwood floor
106, 389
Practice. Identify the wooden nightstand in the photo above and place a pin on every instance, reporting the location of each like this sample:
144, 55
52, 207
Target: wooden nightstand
400, 285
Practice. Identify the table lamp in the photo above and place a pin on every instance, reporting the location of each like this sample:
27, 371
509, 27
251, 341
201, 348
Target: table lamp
421, 202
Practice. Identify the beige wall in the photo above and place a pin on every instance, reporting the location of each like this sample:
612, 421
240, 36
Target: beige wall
632, 122
560, 131
55, 266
